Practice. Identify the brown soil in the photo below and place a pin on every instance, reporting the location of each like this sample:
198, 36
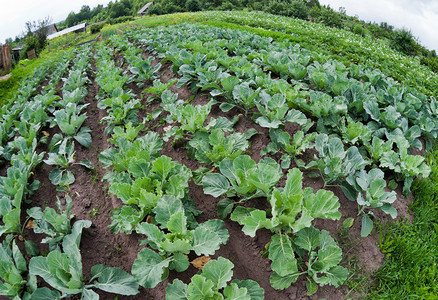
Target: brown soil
101, 246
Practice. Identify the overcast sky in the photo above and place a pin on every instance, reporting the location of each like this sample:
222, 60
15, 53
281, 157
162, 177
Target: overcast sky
15, 13
420, 16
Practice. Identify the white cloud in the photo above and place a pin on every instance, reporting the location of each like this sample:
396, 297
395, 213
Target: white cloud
420, 16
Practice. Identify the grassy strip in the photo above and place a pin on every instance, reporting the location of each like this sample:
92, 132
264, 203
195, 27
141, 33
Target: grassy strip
26, 67
19, 72
410, 268
338, 44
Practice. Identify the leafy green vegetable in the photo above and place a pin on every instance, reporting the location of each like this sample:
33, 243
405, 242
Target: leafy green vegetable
49, 222
214, 147
212, 281
63, 270
173, 240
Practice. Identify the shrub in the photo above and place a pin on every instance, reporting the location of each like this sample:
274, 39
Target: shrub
330, 18
315, 12
121, 20
358, 29
277, 8
193, 5
299, 10
226, 6
403, 41
95, 28
155, 9
171, 8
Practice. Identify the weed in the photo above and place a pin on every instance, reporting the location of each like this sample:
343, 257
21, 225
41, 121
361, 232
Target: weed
94, 212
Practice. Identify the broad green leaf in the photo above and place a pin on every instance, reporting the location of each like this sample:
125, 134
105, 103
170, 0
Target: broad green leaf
176, 290
83, 138
173, 244
282, 255
31, 248
337, 275
233, 291
180, 262
163, 166
253, 288
45, 294
205, 241
367, 226
114, 280
282, 282
150, 268
307, 238
390, 210
323, 205
19, 260
296, 116
329, 257
219, 272
201, 288
224, 207
177, 223
312, 287
154, 235
39, 266
166, 207
89, 295
86, 163
256, 220
215, 184
55, 176
216, 226
70, 244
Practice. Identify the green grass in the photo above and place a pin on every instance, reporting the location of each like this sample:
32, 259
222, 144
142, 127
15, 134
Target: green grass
19, 72
411, 248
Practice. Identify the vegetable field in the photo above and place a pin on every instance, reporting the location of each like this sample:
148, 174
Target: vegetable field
196, 162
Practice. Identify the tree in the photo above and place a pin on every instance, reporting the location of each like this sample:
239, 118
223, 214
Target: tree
8, 41
403, 41
193, 5
36, 35
117, 10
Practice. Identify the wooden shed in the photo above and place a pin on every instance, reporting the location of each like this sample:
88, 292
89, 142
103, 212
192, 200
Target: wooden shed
5, 58
77, 28
144, 9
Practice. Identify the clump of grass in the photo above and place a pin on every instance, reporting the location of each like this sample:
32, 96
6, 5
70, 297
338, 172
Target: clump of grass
410, 270
19, 72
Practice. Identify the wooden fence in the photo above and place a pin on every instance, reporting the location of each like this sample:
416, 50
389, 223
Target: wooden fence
5, 58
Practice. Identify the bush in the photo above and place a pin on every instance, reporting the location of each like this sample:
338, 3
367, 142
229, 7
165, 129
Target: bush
432, 63
95, 28
171, 8
315, 12
193, 5
358, 29
227, 6
299, 10
278, 8
330, 18
121, 20
403, 41
155, 9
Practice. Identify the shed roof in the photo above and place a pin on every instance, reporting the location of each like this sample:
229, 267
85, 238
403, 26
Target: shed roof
18, 48
144, 9
67, 30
